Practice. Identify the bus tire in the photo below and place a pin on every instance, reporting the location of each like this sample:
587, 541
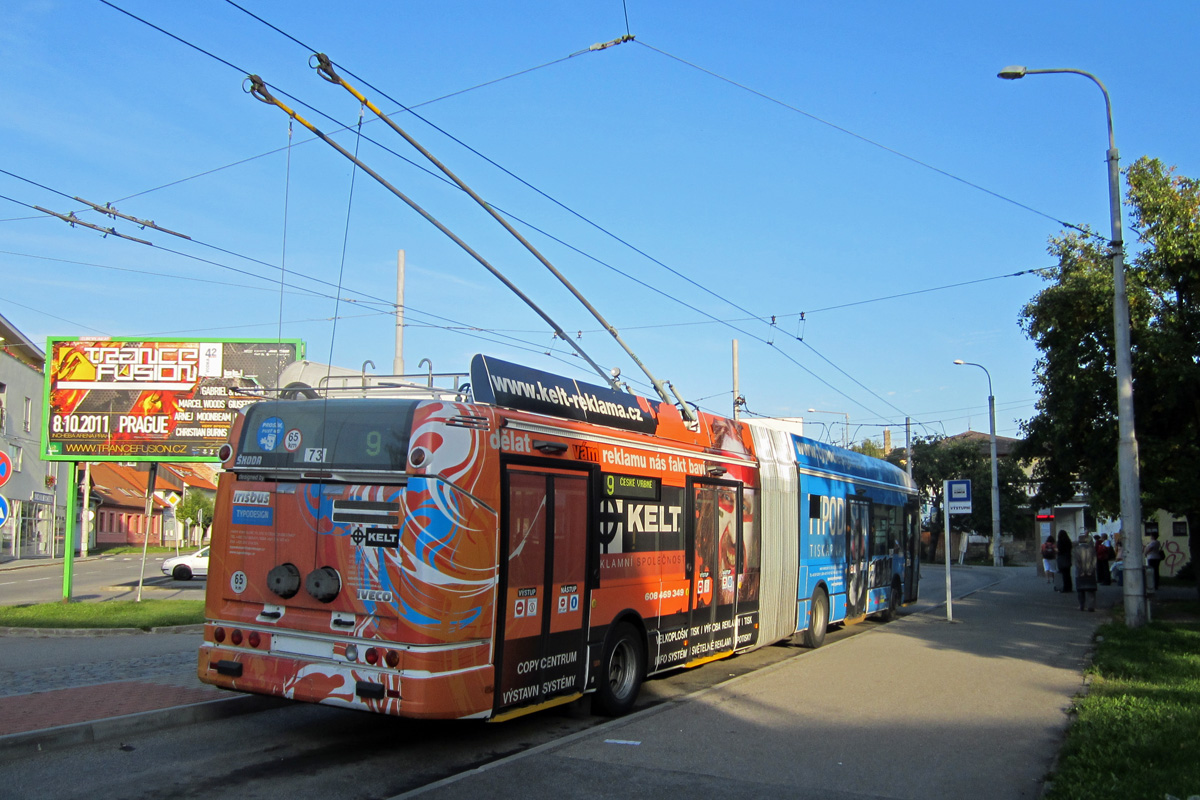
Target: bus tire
621, 671
893, 605
818, 620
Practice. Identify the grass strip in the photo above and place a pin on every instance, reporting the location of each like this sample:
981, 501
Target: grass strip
1135, 732
107, 614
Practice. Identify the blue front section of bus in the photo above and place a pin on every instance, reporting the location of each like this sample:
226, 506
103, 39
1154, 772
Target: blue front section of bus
843, 493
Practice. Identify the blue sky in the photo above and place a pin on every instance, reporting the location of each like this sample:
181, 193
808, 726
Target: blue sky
869, 152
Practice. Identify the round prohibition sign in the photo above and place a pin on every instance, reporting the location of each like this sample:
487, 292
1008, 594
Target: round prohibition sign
292, 440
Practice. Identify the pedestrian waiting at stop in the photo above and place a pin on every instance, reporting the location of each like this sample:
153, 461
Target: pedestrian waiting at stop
1064, 561
1103, 557
1154, 557
1049, 558
1084, 559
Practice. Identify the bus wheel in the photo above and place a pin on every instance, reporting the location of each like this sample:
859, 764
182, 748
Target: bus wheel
818, 620
893, 607
621, 671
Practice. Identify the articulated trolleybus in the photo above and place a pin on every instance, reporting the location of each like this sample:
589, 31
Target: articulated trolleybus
551, 538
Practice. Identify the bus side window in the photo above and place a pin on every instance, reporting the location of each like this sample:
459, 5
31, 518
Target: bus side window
880, 535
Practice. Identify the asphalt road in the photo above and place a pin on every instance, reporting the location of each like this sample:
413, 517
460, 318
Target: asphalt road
103, 578
307, 750
335, 754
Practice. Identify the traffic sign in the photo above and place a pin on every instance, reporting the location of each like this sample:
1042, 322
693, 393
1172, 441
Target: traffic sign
6, 468
958, 497
3, 511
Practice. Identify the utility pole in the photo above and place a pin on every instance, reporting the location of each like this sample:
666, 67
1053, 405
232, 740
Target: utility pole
908, 444
736, 394
398, 361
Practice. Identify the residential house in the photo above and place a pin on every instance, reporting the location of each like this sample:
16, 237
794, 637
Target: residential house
32, 491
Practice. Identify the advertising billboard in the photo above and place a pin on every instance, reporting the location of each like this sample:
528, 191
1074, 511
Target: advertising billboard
152, 400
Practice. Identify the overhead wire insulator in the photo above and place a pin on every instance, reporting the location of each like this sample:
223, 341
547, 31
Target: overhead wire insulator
605, 45
108, 210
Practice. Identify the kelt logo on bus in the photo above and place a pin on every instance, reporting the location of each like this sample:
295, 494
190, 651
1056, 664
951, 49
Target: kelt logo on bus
501, 584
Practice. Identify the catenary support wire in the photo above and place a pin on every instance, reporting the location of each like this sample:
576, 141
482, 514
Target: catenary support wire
324, 68
257, 88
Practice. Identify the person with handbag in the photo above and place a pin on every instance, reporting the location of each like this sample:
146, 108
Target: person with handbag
1049, 558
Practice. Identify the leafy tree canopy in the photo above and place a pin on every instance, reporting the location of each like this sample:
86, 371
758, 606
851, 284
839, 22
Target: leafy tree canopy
1072, 438
937, 459
868, 447
195, 507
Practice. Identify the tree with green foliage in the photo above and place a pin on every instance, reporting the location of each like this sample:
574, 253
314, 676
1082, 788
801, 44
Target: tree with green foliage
869, 447
1072, 438
195, 508
937, 459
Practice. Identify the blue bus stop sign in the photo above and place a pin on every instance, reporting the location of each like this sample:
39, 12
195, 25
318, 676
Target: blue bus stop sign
3, 510
958, 497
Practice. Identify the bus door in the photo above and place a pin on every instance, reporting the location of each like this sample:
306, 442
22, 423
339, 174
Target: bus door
912, 553
714, 552
858, 557
541, 641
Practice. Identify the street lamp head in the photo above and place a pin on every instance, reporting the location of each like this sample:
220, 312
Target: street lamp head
1011, 73
812, 411
959, 361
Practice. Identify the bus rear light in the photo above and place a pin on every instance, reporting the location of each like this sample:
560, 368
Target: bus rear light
392, 658
254, 639
235, 637
323, 584
351, 652
219, 635
418, 456
226, 452
372, 656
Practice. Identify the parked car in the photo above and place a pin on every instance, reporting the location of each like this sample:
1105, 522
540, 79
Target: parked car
182, 568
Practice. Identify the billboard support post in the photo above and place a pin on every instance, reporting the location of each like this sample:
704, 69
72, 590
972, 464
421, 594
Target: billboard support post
69, 529
150, 481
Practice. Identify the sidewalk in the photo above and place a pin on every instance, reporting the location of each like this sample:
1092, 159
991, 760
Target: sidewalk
61, 688
917, 708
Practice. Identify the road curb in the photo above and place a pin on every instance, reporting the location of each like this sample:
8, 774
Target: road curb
49, 632
16, 746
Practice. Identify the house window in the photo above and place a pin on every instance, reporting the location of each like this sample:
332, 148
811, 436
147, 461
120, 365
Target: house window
1179, 527
18, 457
28, 414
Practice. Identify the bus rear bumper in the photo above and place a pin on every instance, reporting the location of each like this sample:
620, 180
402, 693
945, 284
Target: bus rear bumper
463, 693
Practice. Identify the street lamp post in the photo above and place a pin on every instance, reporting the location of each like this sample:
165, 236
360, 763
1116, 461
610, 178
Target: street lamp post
1127, 454
845, 431
997, 558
